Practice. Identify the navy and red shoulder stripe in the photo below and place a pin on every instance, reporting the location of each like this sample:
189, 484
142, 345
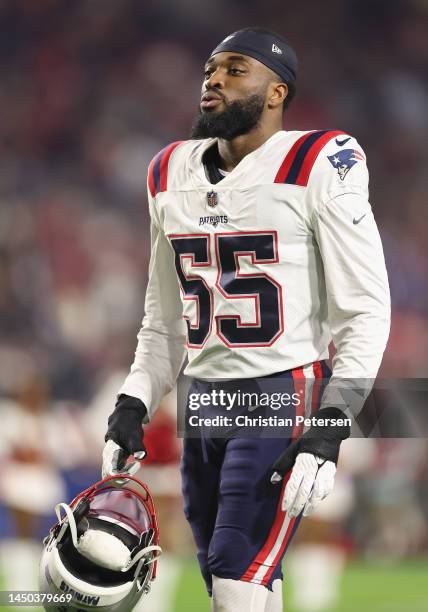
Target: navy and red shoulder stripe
298, 163
158, 169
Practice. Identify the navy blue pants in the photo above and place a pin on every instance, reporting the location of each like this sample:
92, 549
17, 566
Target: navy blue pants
233, 509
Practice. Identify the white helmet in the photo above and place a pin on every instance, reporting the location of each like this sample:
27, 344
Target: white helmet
102, 552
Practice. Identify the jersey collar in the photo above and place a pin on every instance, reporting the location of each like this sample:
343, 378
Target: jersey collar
197, 168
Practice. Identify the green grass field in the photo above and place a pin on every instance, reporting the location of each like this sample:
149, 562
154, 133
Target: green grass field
367, 587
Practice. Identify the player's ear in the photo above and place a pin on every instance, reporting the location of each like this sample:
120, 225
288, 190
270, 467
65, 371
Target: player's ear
277, 94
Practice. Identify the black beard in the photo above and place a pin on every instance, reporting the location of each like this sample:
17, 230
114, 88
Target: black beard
239, 118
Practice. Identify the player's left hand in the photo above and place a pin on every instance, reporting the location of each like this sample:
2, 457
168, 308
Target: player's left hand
313, 458
311, 480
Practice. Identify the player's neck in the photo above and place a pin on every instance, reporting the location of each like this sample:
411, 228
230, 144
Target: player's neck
231, 152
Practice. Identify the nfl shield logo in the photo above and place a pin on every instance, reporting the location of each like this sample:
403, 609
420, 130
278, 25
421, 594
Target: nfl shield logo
212, 199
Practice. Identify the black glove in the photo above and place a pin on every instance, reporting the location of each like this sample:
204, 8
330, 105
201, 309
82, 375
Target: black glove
320, 440
125, 425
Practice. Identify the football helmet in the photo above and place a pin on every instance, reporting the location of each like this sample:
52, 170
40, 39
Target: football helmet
102, 552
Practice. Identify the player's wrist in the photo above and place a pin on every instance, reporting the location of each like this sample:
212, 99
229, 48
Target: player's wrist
125, 424
325, 436
322, 440
127, 402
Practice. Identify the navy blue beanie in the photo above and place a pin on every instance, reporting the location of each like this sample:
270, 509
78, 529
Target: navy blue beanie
264, 46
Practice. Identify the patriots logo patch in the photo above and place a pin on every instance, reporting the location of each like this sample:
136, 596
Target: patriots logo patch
344, 160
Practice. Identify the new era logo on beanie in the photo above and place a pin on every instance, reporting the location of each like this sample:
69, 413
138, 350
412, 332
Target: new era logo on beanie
264, 46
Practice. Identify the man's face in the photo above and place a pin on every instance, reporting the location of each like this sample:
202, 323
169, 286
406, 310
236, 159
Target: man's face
233, 96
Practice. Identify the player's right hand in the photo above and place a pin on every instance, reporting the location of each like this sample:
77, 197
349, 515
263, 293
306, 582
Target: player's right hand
124, 437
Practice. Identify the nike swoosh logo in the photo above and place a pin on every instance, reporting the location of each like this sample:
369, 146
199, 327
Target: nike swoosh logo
340, 143
356, 221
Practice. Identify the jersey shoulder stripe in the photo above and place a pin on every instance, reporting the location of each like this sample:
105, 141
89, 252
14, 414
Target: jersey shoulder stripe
298, 163
158, 169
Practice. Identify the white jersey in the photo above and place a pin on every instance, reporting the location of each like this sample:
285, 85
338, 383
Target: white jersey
257, 273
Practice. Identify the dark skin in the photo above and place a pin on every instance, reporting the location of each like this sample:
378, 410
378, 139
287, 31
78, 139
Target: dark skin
233, 76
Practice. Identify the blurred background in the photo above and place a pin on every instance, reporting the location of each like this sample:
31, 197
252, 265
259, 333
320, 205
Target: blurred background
89, 92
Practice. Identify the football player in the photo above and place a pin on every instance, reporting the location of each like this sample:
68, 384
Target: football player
264, 248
